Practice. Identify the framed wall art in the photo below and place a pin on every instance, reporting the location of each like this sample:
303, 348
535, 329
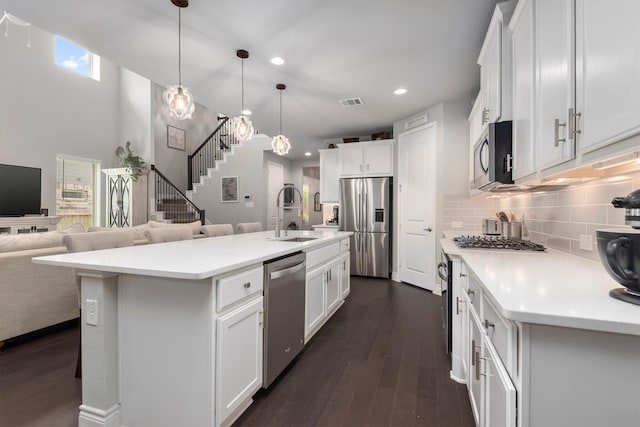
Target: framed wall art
229, 188
176, 138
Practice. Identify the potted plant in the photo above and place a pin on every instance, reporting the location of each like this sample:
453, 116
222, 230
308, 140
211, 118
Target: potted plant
133, 163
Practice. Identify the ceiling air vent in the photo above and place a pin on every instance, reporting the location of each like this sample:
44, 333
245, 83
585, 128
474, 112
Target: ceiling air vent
351, 102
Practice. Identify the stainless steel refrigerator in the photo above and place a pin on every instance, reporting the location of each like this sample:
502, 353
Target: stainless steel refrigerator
365, 209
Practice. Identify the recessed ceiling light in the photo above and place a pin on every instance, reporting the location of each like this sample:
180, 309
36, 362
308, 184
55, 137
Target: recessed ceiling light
307, 154
276, 60
246, 112
400, 91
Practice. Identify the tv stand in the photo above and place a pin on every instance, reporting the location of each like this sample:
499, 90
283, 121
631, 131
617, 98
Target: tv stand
28, 224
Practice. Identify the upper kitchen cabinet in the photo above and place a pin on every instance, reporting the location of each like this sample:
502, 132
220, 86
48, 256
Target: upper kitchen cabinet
475, 122
554, 70
607, 72
372, 158
329, 179
495, 68
587, 91
523, 73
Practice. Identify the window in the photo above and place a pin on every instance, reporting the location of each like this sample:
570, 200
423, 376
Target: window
77, 59
76, 191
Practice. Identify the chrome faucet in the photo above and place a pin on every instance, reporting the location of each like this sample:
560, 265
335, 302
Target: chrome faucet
278, 207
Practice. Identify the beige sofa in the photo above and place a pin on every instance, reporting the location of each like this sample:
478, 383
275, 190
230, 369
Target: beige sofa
34, 296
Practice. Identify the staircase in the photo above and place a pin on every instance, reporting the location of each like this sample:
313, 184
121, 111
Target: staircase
171, 205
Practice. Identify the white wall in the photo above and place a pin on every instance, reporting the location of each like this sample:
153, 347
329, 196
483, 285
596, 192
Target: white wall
171, 162
47, 110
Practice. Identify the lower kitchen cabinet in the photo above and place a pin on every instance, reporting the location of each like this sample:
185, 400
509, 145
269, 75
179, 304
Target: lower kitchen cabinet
327, 283
499, 393
474, 383
345, 275
239, 359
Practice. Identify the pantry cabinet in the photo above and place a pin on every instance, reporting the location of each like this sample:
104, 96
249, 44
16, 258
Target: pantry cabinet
361, 159
329, 176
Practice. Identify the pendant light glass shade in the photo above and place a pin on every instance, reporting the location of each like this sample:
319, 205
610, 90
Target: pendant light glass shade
280, 143
242, 126
180, 101
178, 97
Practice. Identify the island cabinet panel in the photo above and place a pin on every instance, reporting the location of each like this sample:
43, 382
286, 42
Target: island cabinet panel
239, 359
334, 296
500, 394
315, 306
345, 277
166, 351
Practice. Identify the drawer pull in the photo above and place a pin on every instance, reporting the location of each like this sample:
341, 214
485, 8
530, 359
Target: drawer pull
478, 358
488, 324
463, 275
473, 349
457, 305
247, 285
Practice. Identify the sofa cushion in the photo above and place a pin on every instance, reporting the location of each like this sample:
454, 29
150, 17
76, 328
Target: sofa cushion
49, 239
195, 225
137, 231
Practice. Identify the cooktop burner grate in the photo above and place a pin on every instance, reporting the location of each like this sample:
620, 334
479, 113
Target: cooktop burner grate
493, 242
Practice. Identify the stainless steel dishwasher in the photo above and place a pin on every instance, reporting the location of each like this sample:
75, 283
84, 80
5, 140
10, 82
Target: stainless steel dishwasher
284, 294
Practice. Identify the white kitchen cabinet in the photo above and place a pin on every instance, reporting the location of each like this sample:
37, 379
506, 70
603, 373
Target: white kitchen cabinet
315, 306
329, 176
499, 393
239, 358
324, 292
459, 318
607, 71
372, 158
495, 68
474, 382
345, 277
475, 122
522, 55
554, 89
332, 283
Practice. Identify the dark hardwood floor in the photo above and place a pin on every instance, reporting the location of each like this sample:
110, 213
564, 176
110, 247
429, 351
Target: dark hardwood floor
379, 361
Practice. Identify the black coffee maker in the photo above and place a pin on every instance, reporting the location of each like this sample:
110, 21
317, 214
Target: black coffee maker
334, 220
619, 250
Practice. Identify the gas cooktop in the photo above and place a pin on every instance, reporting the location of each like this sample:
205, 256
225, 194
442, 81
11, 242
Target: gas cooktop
496, 242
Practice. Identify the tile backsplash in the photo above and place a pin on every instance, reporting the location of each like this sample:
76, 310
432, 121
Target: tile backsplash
555, 219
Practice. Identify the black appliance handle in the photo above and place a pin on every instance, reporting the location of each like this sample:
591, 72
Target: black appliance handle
623, 275
442, 271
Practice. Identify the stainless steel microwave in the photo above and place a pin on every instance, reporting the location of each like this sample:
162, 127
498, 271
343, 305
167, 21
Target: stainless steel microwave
492, 158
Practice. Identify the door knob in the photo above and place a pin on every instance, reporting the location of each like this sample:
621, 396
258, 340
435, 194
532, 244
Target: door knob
429, 229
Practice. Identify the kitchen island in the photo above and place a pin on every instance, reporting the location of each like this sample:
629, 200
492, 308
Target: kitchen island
539, 342
172, 332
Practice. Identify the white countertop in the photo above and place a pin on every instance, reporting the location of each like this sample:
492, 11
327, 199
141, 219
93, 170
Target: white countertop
330, 226
193, 259
551, 288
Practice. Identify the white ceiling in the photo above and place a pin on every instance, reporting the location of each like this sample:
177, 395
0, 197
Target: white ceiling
334, 49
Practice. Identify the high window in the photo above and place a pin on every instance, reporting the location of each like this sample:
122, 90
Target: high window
76, 192
77, 59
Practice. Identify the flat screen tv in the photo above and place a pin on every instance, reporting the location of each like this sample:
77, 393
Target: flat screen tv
19, 190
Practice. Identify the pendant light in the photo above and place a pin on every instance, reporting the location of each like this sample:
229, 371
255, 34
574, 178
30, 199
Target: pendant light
280, 143
178, 97
242, 125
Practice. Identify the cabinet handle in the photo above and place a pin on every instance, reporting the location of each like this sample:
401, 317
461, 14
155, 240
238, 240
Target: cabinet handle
573, 123
330, 275
457, 305
473, 355
509, 165
344, 265
471, 294
247, 285
360, 168
463, 275
477, 354
488, 324
556, 132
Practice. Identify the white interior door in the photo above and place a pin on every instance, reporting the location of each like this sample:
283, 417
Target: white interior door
276, 182
417, 180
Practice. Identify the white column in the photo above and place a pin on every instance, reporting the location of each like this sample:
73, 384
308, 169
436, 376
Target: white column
100, 401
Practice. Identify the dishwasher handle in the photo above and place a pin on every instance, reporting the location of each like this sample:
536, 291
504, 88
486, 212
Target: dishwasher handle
442, 271
285, 272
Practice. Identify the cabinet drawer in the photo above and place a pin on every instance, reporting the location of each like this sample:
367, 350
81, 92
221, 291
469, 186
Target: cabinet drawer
321, 255
345, 245
501, 332
233, 288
